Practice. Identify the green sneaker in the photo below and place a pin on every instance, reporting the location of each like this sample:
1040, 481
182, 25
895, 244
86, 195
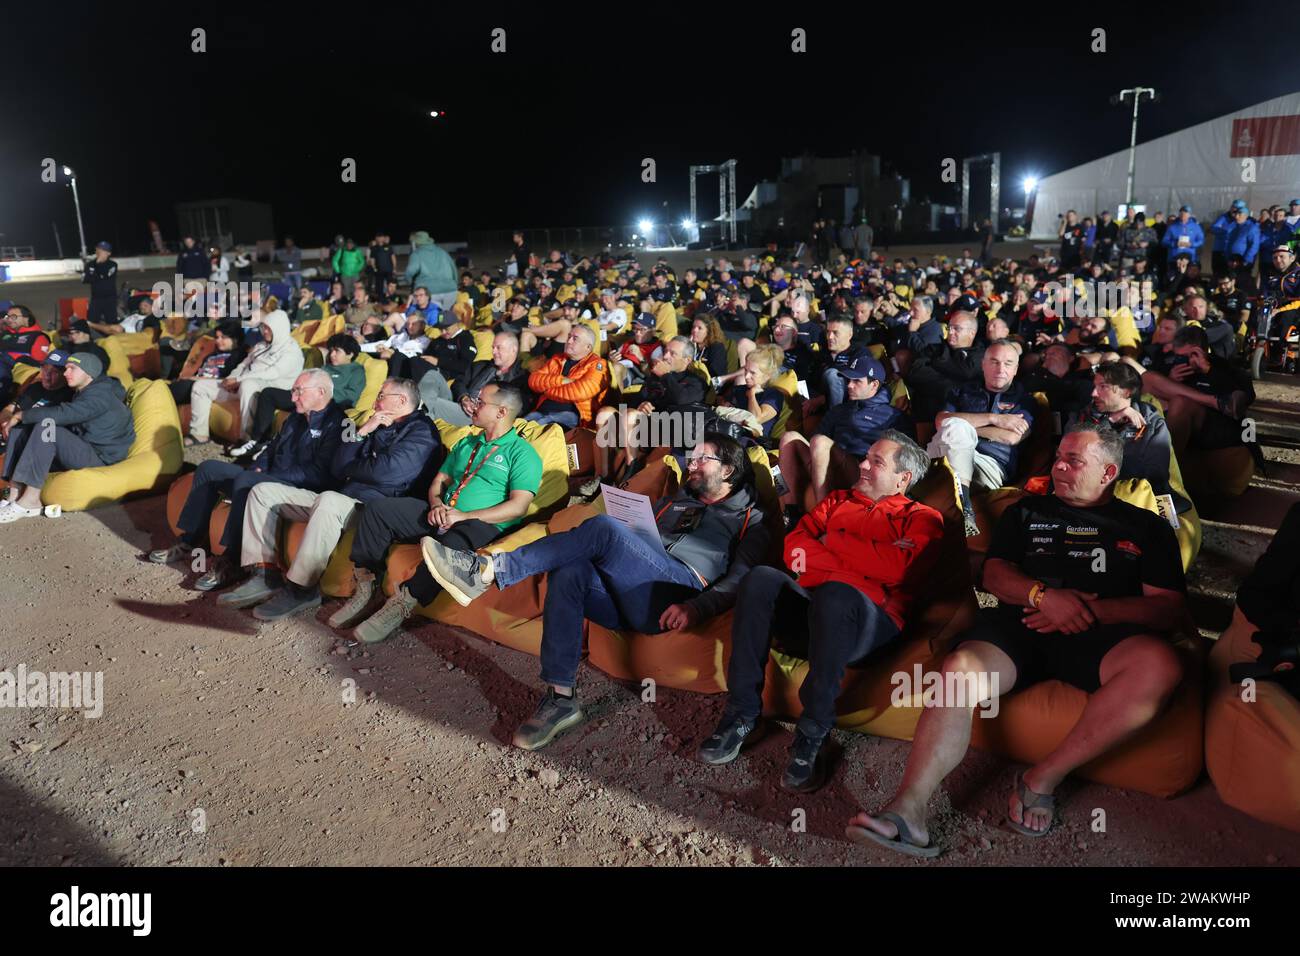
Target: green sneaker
554, 715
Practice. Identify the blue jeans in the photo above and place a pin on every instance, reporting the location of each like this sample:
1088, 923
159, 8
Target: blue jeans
833, 382
565, 420
599, 571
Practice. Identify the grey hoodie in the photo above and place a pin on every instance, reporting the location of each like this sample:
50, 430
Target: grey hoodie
98, 414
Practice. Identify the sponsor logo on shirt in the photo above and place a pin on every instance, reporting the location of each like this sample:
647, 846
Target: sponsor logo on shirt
1129, 547
1080, 529
1043, 526
1038, 539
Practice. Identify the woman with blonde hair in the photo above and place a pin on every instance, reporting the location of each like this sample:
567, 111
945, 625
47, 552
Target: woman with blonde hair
754, 393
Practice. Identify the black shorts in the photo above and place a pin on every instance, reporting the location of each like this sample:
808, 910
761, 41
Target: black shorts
1072, 658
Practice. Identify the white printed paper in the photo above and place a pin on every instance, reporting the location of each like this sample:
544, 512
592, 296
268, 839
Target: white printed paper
633, 512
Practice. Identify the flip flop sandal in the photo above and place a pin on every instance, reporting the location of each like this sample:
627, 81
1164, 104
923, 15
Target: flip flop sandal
191, 442
905, 842
1030, 800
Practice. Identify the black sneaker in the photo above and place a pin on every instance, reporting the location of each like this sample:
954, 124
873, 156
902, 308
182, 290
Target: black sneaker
723, 746
553, 716
807, 768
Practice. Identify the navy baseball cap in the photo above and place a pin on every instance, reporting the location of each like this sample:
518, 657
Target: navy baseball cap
862, 366
103, 245
646, 320
966, 303
1184, 208
57, 357
1239, 204
1294, 202
1040, 296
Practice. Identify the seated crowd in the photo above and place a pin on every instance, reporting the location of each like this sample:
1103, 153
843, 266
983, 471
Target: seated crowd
847, 380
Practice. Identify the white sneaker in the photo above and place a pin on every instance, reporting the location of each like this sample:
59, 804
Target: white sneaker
16, 512
243, 449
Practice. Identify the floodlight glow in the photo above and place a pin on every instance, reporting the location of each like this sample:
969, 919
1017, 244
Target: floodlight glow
1030, 183
67, 170
434, 113
645, 225
687, 224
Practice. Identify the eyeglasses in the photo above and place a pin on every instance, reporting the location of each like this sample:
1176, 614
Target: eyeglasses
698, 458
299, 389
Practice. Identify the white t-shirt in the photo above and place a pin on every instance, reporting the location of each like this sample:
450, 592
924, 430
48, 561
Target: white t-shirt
611, 321
133, 323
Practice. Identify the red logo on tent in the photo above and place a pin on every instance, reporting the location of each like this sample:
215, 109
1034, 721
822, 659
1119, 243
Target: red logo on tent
1266, 136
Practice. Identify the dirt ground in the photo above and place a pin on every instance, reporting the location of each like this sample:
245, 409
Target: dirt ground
207, 710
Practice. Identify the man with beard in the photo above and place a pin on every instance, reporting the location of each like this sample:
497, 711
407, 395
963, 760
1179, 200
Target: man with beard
710, 534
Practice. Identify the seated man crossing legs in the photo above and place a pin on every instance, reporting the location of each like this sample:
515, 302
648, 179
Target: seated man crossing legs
299, 456
1061, 616
711, 533
482, 490
847, 601
389, 456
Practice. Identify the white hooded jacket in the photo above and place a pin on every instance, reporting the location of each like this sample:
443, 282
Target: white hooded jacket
273, 364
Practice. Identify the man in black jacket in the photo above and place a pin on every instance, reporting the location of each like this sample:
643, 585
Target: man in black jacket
943, 366
50, 389
193, 262
710, 533
101, 275
91, 429
299, 455
504, 369
391, 455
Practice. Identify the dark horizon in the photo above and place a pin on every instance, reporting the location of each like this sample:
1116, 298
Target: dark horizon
553, 132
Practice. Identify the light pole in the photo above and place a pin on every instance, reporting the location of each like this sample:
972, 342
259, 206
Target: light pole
76, 201
1137, 93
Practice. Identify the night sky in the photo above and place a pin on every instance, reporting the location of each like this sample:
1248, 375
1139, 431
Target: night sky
552, 133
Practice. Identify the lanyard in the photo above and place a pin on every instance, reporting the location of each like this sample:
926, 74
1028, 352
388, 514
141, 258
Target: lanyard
468, 475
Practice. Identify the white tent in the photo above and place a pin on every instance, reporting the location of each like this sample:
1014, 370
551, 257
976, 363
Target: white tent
1203, 165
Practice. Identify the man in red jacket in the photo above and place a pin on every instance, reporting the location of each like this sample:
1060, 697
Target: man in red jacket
859, 558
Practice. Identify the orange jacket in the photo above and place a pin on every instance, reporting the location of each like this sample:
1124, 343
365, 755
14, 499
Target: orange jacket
584, 386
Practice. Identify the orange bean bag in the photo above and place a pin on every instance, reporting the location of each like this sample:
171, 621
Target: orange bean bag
1223, 472
176, 495
1163, 759
1252, 748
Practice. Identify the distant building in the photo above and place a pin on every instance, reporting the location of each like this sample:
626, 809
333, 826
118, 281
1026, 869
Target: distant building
842, 188
225, 222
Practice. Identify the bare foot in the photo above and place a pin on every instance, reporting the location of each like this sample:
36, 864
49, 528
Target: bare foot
887, 829
1036, 818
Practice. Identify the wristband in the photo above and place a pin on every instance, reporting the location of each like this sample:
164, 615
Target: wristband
1036, 593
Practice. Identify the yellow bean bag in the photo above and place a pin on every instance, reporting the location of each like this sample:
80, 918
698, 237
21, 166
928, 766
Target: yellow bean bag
1222, 472
22, 374
142, 353
119, 363
376, 374
154, 460
1252, 748
483, 344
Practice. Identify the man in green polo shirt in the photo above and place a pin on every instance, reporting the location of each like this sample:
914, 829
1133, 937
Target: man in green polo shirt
481, 491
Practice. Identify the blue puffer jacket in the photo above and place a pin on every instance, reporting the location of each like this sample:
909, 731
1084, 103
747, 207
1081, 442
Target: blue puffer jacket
1234, 238
393, 461
300, 454
1194, 233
